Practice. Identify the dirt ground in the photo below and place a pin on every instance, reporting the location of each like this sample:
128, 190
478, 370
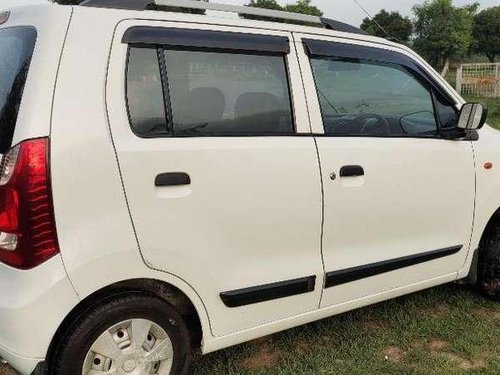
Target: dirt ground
5, 370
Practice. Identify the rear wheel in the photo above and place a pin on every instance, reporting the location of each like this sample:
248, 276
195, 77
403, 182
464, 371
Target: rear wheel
127, 335
489, 262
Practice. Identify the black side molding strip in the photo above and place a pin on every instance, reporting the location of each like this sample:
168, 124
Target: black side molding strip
268, 292
362, 272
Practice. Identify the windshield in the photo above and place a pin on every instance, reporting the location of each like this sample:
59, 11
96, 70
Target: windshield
16, 48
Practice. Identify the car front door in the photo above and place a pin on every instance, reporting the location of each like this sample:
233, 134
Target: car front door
398, 196
223, 191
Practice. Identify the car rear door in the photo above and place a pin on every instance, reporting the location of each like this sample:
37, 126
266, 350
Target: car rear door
218, 165
399, 196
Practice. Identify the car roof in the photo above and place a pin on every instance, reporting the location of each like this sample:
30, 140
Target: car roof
211, 18
230, 15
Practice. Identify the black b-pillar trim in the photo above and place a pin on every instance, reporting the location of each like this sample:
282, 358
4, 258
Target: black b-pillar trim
362, 272
268, 292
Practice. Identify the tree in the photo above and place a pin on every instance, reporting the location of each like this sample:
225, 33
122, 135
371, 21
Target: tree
442, 30
394, 24
267, 4
301, 6
486, 33
304, 7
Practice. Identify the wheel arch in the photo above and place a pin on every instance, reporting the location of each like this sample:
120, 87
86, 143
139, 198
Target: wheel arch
471, 275
494, 219
157, 288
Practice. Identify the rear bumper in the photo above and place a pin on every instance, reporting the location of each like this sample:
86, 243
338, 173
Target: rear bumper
32, 306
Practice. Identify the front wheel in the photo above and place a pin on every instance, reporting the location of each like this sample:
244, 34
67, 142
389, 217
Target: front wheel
131, 334
489, 262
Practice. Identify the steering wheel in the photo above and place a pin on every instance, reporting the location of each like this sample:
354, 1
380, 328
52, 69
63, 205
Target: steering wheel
379, 126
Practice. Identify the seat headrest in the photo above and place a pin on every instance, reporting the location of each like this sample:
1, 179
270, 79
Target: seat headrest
206, 104
252, 104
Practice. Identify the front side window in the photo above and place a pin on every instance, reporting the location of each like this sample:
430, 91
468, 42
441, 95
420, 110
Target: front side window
207, 93
16, 49
365, 98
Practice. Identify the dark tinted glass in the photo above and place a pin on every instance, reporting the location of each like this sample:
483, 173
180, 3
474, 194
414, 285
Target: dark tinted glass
447, 113
16, 49
369, 99
216, 93
145, 93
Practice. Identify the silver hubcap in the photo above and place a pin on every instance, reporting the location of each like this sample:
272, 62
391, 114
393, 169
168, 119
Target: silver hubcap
132, 347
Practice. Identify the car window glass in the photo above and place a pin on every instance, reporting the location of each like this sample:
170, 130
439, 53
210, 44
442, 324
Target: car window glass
16, 49
145, 93
219, 93
372, 99
448, 115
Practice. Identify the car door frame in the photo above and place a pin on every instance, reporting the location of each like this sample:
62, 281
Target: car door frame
121, 132
308, 77
317, 127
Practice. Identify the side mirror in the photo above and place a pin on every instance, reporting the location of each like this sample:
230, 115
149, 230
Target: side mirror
472, 116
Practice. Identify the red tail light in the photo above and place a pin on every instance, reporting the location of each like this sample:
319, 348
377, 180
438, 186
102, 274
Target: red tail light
27, 227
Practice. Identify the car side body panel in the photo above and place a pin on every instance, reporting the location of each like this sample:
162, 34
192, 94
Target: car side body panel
416, 195
114, 254
95, 231
34, 303
51, 24
69, 98
486, 150
251, 215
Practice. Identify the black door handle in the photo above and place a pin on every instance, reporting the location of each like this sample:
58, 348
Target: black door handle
352, 171
172, 179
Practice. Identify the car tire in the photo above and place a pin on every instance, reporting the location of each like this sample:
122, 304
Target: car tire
489, 262
40, 369
75, 348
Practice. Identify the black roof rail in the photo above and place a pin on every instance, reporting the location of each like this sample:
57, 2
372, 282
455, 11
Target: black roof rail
341, 26
203, 5
118, 4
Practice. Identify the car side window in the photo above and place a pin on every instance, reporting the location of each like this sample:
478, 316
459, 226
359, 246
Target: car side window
366, 98
145, 93
221, 93
207, 93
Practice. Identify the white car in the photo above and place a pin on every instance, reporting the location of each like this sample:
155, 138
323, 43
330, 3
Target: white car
175, 182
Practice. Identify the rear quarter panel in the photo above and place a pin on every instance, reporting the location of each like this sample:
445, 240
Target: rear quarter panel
94, 228
51, 23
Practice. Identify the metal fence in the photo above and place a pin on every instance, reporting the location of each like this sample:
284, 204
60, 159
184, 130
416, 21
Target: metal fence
479, 80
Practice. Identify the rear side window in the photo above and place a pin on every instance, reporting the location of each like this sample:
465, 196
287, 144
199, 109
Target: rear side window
196, 92
145, 93
16, 49
228, 94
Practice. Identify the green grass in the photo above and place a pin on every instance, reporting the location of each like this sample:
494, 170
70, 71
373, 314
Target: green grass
446, 330
449, 330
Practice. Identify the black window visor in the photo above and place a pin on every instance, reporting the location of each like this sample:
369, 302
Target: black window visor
350, 51
207, 39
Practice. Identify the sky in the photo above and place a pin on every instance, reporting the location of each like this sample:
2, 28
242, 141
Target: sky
342, 10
